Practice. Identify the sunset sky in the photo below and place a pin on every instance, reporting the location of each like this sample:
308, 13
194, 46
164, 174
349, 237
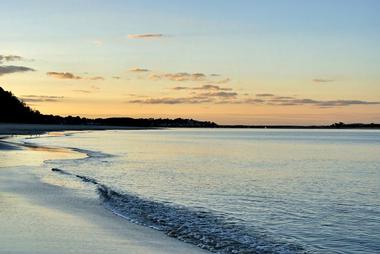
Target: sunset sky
233, 62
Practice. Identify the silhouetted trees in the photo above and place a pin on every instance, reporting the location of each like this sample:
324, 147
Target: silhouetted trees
13, 110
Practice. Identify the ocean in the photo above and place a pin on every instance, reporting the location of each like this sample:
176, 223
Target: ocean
231, 190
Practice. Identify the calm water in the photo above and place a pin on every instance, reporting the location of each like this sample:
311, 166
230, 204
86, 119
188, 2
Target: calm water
264, 191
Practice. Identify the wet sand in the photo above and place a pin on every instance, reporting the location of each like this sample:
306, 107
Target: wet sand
7, 129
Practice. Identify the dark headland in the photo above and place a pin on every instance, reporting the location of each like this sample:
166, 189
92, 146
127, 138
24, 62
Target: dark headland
15, 111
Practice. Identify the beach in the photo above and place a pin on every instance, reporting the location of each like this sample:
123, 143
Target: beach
38, 217
190, 190
36, 129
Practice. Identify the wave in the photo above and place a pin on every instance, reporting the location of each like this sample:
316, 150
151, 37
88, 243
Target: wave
204, 229
92, 154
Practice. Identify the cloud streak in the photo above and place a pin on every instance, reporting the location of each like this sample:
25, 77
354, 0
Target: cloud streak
169, 100
223, 81
9, 58
8, 69
319, 80
71, 76
291, 101
231, 97
264, 95
62, 75
180, 76
96, 78
204, 87
145, 36
138, 70
41, 98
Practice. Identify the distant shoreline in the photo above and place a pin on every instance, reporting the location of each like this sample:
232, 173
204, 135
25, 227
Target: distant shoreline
333, 126
8, 129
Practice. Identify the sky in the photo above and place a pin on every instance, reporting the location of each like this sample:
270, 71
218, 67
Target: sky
232, 62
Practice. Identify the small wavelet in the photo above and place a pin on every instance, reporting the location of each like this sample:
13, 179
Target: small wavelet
204, 229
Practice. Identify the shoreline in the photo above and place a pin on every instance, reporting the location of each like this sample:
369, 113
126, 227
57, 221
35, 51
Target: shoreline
39, 217
9, 129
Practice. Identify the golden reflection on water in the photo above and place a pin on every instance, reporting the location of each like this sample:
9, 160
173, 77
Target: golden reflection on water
31, 155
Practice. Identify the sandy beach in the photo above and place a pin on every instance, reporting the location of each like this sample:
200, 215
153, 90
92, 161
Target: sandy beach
37, 217
7, 129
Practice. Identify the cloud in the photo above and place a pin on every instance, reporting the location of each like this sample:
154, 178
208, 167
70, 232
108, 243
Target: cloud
253, 101
145, 36
7, 69
82, 91
291, 101
41, 98
69, 75
169, 100
116, 77
180, 76
62, 75
212, 87
181, 88
318, 80
96, 78
9, 58
340, 103
196, 98
284, 97
138, 70
223, 81
264, 95
204, 87
219, 94
223, 97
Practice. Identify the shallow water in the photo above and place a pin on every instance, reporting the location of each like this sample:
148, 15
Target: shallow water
263, 191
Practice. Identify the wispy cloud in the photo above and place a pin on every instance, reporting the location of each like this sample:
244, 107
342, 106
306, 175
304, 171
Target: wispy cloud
212, 95
138, 70
82, 91
9, 58
264, 95
204, 87
219, 94
7, 69
41, 98
291, 101
62, 75
116, 77
223, 81
319, 80
145, 36
169, 100
71, 76
223, 97
96, 78
180, 76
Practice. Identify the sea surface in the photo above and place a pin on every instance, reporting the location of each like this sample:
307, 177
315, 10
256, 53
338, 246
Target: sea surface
232, 190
